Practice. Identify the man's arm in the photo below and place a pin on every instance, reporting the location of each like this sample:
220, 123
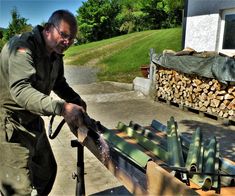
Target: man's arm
64, 91
21, 71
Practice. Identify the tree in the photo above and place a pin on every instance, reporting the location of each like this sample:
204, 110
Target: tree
100, 19
162, 13
1, 33
96, 19
155, 13
174, 9
1, 40
17, 25
131, 18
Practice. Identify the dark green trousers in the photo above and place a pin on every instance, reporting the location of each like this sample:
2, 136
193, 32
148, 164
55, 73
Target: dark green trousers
26, 157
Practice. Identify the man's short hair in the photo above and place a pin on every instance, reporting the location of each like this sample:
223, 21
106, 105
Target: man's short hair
65, 15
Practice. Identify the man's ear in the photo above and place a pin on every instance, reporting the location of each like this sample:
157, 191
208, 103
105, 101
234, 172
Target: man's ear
47, 26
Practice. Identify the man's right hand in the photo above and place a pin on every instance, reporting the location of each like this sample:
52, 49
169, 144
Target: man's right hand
73, 114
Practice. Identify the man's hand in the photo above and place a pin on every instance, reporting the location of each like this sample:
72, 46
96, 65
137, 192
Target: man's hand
73, 114
79, 101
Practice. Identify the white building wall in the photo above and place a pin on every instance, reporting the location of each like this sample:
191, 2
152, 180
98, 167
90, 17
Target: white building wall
203, 23
201, 32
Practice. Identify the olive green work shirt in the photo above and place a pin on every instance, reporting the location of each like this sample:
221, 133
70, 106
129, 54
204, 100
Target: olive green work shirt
28, 75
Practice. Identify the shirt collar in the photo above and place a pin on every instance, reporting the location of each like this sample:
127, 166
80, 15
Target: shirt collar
37, 31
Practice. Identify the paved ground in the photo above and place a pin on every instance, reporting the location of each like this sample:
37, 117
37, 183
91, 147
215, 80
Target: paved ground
110, 103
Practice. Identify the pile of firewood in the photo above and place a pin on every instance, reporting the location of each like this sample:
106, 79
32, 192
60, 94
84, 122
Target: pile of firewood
199, 93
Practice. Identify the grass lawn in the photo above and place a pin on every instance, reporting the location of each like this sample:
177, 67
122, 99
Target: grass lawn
120, 58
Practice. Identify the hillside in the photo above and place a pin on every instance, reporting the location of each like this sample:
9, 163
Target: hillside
120, 58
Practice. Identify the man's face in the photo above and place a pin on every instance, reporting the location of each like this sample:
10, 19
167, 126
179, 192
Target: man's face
61, 37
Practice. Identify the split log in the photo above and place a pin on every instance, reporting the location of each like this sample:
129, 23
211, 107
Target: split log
203, 94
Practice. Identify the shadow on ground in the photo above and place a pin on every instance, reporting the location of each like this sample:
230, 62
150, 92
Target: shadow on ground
224, 134
120, 190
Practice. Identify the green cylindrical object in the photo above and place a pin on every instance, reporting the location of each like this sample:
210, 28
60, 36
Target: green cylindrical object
129, 150
227, 167
193, 157
149, 133
121, 126
175, 154
145, 132
150, 144
209, 163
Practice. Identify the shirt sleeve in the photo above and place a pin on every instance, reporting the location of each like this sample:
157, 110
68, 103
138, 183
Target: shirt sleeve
21, 71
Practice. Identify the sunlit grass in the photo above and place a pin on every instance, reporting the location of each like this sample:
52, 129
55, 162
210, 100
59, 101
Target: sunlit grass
120, 58
85, 54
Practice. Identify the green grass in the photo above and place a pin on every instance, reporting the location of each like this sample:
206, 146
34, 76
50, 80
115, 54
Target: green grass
120, 58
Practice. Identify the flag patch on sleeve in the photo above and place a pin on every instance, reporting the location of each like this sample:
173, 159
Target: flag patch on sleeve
22, 50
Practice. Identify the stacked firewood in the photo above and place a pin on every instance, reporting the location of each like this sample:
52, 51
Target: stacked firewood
199, 93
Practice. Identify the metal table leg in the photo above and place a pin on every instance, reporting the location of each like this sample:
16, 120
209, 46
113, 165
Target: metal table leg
80, 185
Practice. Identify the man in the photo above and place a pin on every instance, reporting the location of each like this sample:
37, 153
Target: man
31, 66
